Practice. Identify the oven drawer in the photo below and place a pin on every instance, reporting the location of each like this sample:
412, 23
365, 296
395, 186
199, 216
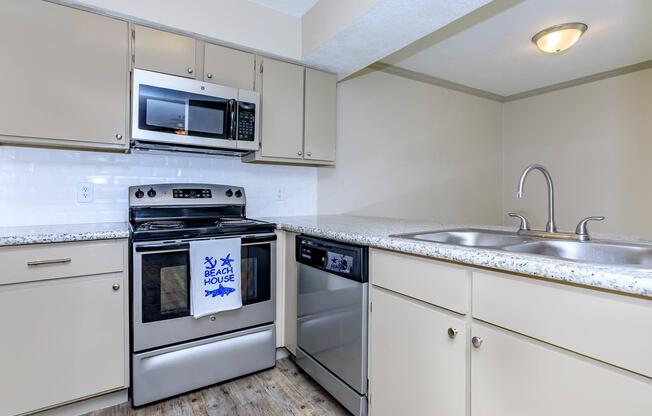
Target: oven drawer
30, 263
173, 370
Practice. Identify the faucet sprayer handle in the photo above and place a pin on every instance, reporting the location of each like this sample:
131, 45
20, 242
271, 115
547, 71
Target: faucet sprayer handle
525, 225
581, 230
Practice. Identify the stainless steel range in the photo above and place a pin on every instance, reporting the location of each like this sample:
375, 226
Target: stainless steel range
172, 352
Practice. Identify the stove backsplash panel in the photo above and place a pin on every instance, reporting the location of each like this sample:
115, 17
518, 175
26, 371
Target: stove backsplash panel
40, 186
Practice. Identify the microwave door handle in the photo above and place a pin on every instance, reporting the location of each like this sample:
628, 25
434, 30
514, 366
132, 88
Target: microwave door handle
232, 115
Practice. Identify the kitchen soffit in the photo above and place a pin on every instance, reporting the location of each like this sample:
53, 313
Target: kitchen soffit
292, 7
490, 50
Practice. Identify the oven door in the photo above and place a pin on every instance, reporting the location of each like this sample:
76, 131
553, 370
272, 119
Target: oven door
161, 293
180, 111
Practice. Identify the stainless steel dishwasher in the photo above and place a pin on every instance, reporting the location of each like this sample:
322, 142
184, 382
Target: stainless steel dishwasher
333, 293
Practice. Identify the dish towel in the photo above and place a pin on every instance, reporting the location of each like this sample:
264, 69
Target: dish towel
214, 276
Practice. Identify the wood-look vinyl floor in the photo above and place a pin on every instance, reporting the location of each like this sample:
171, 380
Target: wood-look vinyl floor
283, 390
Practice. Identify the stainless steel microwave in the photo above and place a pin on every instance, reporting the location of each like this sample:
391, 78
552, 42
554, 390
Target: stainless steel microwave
180, 113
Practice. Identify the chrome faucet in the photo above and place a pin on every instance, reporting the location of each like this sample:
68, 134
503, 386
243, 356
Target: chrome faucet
551, 227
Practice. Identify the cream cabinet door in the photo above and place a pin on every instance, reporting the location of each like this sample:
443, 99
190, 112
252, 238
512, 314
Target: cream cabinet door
159, 51
320, 115
513, 375
62, 340
282, 110
64, 74
230, 67
291, 293
415, 367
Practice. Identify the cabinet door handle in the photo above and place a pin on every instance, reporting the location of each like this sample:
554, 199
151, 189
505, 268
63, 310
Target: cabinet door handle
476, 341
190, 70
452, 333
53, 261
299, 153
209, 75
118, 136
309, 153
116, 287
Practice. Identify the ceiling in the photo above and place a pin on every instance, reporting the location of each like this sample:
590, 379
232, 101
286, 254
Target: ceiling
291, 7
496, 55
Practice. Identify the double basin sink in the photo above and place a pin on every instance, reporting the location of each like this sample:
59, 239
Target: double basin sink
598, 251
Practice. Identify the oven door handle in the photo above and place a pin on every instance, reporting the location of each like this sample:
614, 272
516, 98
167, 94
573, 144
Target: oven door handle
162, 247
246, 240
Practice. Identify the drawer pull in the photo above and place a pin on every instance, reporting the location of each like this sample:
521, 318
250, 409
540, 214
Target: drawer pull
116, 287
53, 261
452, 333
476, 341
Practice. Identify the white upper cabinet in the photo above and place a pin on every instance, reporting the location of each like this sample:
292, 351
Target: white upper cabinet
64, 76
299, 121
230, 67
169, 53
282, 110
320, 115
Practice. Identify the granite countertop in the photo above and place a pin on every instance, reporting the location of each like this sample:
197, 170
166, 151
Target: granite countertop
375, 232
38, 234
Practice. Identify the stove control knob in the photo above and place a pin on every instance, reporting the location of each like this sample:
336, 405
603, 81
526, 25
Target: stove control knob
238, 194
229, 193
151, 193
139, 194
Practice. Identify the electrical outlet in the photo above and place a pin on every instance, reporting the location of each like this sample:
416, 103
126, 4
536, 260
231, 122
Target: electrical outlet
85, 192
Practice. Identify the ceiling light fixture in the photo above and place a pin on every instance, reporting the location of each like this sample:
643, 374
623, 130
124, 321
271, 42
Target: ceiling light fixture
558, 38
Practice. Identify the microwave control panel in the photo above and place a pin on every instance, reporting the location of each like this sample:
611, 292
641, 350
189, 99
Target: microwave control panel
246, 121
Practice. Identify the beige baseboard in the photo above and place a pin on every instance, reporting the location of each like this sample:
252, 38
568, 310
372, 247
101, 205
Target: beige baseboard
88, 405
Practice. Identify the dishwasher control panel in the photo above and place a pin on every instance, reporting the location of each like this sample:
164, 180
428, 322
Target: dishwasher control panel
345, 260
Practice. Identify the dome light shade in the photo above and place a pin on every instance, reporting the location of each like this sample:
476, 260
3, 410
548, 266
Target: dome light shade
558, 38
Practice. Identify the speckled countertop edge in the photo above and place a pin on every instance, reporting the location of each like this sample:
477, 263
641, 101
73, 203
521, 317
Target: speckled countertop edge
368, 231
42, 234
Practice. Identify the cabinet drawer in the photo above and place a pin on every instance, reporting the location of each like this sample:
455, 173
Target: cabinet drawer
52, 261
427, 280
611, 328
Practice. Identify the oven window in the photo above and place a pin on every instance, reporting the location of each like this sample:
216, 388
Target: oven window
166, 281
166, 288
174, 287
256, 273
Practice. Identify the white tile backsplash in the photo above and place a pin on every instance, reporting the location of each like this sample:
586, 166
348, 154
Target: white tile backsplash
39, 186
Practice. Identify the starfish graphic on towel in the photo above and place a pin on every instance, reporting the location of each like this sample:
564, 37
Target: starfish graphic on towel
227, 260
220, 291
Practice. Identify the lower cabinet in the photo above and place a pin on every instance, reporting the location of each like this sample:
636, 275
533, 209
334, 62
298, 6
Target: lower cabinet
496, 363
417, 358
62, 339
514, 375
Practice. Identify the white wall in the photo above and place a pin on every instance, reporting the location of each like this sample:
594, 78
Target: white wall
413, 150
596, 140
237, 22
38, 186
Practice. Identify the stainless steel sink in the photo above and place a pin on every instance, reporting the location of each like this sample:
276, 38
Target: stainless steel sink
592, 251
599, 252
469, 237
